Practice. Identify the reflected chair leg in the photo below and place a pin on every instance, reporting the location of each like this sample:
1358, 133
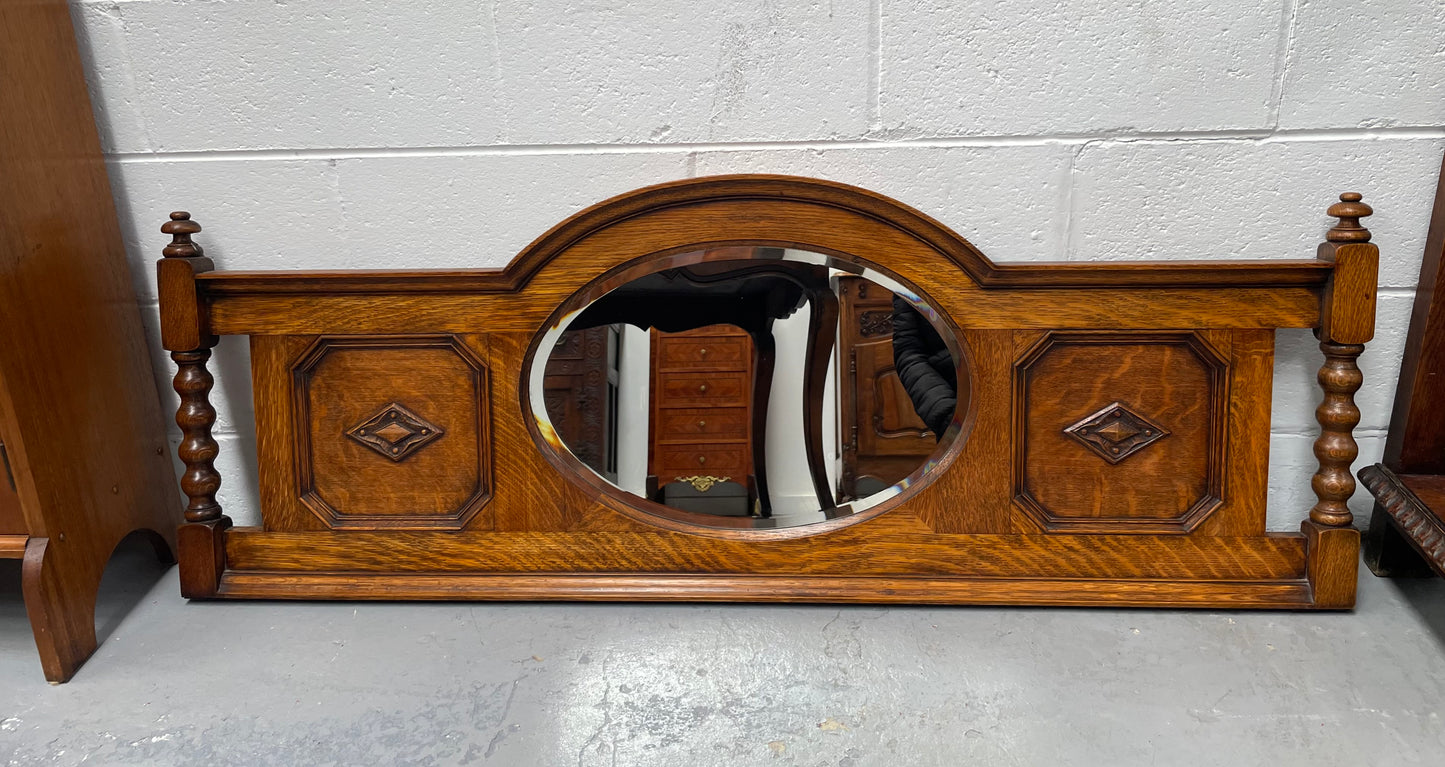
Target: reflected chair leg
822, 333
764, 356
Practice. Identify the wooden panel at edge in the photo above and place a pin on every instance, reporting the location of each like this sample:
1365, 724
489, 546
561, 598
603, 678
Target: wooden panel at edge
971, 495
271, 359
529, 494
1246, 477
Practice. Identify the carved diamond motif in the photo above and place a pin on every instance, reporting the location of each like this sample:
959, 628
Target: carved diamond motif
1116, 432
395, 432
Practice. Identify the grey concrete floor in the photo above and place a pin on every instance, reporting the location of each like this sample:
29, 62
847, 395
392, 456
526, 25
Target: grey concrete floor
578, 684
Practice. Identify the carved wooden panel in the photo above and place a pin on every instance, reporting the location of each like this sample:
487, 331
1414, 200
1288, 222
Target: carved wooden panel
1120, 432
391, 432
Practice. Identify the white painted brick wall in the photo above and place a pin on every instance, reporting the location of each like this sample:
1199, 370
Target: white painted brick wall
368, 133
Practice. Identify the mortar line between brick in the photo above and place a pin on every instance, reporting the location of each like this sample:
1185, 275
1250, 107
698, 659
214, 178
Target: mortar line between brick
1283, 52
1243, 136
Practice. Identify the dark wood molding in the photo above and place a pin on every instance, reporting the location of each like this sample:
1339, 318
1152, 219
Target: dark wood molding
1421, 525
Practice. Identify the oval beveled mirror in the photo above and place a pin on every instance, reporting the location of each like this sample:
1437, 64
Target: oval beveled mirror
751, 387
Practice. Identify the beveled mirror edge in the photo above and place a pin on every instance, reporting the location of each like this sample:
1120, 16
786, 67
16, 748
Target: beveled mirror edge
652, 513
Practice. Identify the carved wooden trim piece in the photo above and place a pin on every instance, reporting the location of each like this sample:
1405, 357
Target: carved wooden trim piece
395, 432
1116, 432
1423, 528
1217, 368
383, 431
1335, 448
875, 323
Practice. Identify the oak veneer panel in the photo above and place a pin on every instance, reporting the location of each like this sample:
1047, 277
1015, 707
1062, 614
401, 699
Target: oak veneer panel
1246, 436
441, 483
968, 490
530, 494
855, 551
1169, 381
273, 389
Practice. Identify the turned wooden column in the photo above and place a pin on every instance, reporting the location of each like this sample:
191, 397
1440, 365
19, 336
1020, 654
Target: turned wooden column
185, 334
1347, 322
198, 449
1335, 448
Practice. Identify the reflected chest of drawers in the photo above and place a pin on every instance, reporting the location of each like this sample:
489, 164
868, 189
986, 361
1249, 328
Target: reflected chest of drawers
702, 407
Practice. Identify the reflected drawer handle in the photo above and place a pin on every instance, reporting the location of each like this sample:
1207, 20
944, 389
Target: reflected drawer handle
702, 389
702, 352
702, 459
701, 424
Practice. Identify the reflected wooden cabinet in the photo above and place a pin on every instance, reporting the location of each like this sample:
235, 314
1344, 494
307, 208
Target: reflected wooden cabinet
580, 392
884, 440
702, 418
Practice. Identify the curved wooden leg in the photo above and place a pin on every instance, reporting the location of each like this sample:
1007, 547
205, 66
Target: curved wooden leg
822, 332
60, 602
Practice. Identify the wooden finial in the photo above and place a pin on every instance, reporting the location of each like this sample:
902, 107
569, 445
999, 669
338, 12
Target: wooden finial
1349, 210
180, 228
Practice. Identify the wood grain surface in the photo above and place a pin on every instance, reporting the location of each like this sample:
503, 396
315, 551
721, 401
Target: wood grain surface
80, 416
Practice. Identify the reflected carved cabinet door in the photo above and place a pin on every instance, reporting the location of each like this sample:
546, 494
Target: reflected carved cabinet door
884, 440
580, 389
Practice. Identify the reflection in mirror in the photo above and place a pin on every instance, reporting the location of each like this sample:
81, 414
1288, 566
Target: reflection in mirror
751, 387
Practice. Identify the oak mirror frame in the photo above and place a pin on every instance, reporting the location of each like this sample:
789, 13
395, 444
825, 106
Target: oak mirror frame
1112, 448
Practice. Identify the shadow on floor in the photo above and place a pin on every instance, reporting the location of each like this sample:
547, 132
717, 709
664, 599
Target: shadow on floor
1423, 595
